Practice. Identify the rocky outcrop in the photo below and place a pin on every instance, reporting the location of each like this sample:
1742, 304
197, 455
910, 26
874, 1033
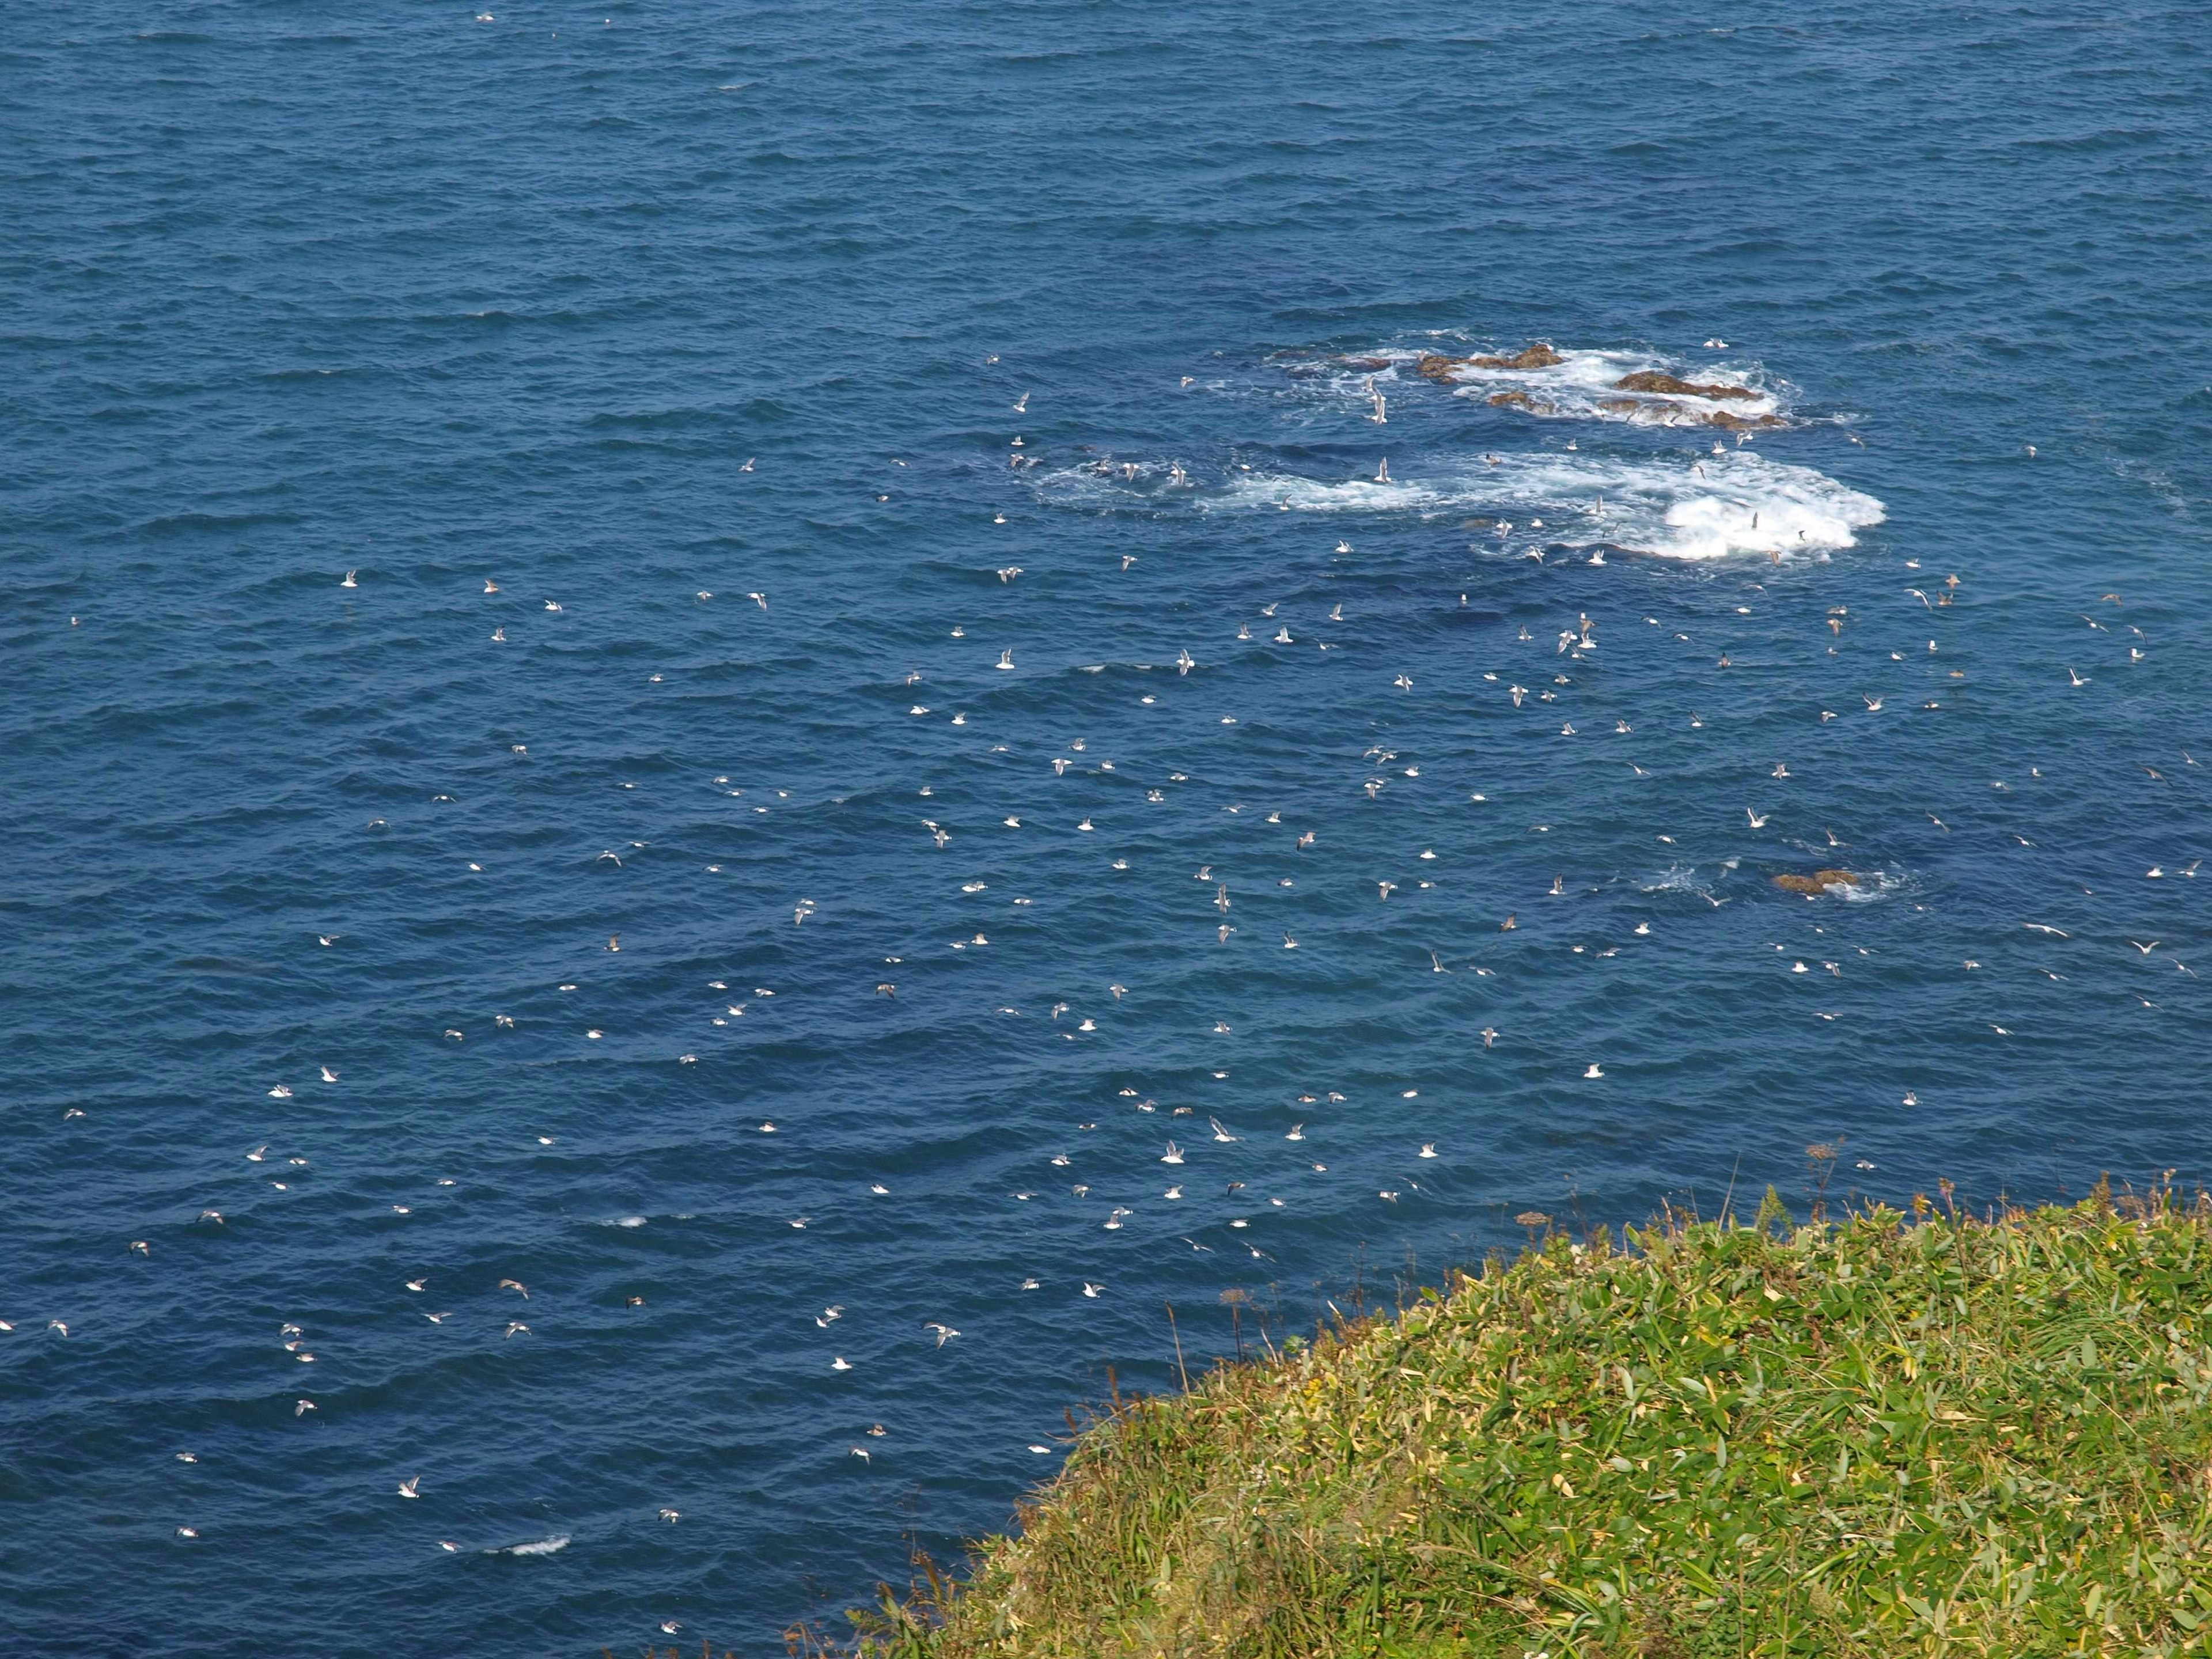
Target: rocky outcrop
1538, 356
1650, 379
1436, 365
1816, 883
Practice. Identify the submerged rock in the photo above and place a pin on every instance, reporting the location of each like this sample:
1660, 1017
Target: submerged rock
1818, 882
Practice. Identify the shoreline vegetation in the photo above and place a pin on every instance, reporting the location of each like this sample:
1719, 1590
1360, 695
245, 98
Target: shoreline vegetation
1923, 1432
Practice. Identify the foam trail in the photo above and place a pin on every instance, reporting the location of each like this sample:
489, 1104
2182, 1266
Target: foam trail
1699, 508
1708, 508
552, 1546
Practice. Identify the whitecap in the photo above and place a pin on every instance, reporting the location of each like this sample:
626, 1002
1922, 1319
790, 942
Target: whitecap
1867, 887
1707, 509
552, 1546
1704, 506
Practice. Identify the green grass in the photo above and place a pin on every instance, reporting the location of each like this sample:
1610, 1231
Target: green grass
1888, 1436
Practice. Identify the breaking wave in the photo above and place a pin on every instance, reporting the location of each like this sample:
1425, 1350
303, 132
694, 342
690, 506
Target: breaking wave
1699, 508
552, 1546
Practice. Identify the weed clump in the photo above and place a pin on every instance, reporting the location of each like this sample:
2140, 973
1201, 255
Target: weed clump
1891, 1435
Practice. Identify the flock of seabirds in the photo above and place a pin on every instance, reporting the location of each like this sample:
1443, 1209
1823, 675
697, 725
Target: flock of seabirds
1548, 659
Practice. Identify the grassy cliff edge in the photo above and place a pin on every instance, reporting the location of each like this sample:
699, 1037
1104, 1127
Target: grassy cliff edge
1893, 1434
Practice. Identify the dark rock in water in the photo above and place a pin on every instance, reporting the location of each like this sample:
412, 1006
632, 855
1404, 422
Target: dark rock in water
1436, 365
1511, 400
1364, 362
1652, 380
1816, 883
1538, 356
1734, 423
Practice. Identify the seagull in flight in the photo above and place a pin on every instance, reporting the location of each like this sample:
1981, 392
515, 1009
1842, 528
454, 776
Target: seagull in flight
945, 1333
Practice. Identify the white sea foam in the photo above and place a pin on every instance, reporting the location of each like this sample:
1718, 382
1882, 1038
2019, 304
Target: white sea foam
1870, 887
1695, 507
1677, 878
552, 1546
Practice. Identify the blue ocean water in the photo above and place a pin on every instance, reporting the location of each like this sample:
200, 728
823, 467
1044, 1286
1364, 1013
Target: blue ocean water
401, 408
